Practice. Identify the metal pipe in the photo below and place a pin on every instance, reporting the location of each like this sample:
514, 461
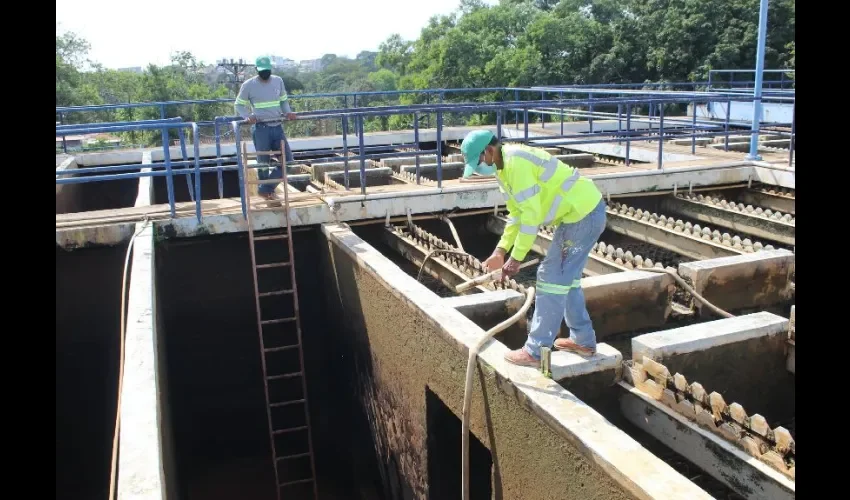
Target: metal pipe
726, 124
237, 136
660, 137
196, 139
345, 148
416, 140
439, 148
182, 136
694, 125
757, 105
220, 173
791, 141
362, 158
628, 132
169, 180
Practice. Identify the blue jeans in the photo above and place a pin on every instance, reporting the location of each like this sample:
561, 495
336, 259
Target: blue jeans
558, 291
269, 138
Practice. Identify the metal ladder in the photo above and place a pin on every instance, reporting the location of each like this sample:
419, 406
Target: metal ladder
286, 295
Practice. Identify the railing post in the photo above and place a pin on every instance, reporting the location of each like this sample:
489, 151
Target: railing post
619, 122
791, 142
542, 114
561, 98
726, 124
694, 128
362, 154
590, 109
218, 162
525, 122
169, 180
196, 149
345, 149
439, 149
499, 124
516, 111
628, 132
182, 136
418, 147
757, 104
660, 136
237, 140
64, 142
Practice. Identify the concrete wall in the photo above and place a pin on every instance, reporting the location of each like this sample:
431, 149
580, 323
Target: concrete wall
408, 347
742, 358
88, 308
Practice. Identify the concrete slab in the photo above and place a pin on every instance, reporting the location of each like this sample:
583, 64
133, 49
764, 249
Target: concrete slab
452, 170
736, 469
699, 338
395, 163
490, 302
750, 280
568, 365
318, 170
759, 226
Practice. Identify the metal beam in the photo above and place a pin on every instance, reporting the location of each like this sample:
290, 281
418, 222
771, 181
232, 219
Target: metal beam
757, 105
595, 265
733, 467
740, 222
774, 202
680, 243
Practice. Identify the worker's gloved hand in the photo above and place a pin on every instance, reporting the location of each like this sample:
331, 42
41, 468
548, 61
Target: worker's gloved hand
251, 119
494, 261
511, 267
291, 116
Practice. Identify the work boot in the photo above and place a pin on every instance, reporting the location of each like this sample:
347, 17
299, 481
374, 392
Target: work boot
522, 358
569, 345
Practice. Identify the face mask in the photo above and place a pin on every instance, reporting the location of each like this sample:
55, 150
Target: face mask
484, 169
265, 74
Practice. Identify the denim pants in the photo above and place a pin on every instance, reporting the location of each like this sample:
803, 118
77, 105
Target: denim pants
558, 291
269, 138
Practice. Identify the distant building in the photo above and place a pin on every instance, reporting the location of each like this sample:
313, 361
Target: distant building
134, 69
283, 62
309, 65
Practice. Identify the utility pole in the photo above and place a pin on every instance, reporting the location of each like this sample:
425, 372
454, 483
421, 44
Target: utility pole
237, 71
757, 107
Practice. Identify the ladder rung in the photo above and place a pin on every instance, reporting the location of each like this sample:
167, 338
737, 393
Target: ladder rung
270, 237
276, 321
291, 457
291, 429
273, 264
297, 481
287, 403
285, 375
277, 292
278, 349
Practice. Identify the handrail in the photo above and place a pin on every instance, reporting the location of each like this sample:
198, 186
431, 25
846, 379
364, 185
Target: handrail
687, 127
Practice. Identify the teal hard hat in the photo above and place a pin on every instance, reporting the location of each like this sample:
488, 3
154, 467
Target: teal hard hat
472, 147
263, 63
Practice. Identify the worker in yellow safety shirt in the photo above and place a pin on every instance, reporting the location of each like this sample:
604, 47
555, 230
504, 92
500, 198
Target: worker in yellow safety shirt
541, 190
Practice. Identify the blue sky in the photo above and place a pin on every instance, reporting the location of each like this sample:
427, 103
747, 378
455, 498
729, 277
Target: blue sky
135, 34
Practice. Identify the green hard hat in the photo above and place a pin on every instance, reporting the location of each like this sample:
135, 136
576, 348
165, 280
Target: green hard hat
472, 147
263, 63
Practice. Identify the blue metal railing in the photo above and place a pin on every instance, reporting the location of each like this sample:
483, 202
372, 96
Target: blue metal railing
682, 127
